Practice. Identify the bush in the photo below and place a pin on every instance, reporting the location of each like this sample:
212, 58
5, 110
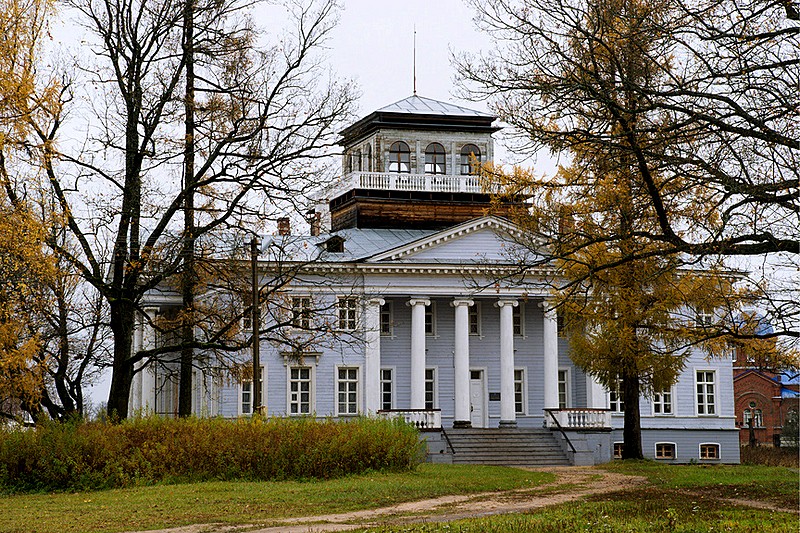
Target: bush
99, 455
769, 456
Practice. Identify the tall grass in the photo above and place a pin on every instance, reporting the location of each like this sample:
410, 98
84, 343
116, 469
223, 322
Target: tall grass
97, 455
770, 456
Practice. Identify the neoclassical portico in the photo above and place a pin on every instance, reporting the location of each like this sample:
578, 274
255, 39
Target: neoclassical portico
505, 366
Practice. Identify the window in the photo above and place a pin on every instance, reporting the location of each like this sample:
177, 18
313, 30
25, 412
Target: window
475, 319
347, 387
665, 450
300, 399
387, 319
368, 166
709, 451
519, 392
247, 397
618, 450
517, 316
430, 388
703, 318
705, 393
435, 159
301, 312
662, 403
755, 415
400, 158
430, 320
563, 389
387, 389
347, 313
468, 151
357, 157
616, 399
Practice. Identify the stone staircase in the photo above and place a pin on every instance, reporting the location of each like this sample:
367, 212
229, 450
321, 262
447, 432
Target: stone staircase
507, 447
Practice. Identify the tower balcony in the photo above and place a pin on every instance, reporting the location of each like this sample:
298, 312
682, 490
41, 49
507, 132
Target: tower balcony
394, 181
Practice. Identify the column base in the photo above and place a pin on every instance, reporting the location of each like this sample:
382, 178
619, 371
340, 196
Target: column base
462, 424
509, 424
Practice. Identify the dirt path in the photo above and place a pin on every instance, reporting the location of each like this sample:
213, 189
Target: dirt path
571, 484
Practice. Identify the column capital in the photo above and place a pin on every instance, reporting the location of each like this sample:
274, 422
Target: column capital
506, 301
150, 311
462, 301
418, 301
376, 301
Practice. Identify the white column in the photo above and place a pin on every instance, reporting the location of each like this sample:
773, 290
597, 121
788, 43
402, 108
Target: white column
136, 388
372, 355
595, 393
550, 357
418, 351
148, 376
461, 363
508, 416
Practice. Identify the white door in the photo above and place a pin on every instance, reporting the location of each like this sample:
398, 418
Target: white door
477, 399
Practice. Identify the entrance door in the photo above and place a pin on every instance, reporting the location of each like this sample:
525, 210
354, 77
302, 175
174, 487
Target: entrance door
477, 399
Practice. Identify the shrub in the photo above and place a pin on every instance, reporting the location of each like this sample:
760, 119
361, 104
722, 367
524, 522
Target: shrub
99, 455
769, 456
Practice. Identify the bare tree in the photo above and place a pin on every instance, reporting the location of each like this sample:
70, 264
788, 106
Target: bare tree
264, 121
714, 126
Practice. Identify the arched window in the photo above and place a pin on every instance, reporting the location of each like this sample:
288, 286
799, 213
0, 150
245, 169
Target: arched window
467, 152
357, 157
435, 159
399, 158
368, 166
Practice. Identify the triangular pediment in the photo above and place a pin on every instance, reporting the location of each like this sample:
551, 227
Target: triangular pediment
487, 239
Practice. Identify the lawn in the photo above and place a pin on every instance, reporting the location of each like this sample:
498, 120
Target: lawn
681, 499
163, 506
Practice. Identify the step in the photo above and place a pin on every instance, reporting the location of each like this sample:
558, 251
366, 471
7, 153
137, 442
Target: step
506, 446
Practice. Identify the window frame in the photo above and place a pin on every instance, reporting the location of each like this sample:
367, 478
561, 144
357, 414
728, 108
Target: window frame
663, 458
347, 313
660, 401
386, 309
518, 314
617, 446
430, 311
337, 404
705, 404
434, 370
474, 312
703, 318
466, 159
240, 388
383, 381
523, 383
616, 406
311, 390
567, 388
435, 161
301, 317
715, 446
396, 158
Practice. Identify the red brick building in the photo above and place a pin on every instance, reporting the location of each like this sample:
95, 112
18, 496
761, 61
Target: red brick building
768, 398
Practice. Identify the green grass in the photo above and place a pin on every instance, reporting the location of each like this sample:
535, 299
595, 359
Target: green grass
682, 499
163, 506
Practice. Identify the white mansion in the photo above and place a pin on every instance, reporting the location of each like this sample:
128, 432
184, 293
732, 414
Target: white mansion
406, 266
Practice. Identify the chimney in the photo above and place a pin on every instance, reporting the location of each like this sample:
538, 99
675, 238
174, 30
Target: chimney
284, 227
314, 220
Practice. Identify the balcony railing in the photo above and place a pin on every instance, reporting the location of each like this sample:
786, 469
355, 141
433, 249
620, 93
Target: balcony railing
392, 181
581, 418
420, 418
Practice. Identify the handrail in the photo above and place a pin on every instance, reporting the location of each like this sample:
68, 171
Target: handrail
449, 444
558, 425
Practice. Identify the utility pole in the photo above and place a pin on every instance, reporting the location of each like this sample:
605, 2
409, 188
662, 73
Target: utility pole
256, 325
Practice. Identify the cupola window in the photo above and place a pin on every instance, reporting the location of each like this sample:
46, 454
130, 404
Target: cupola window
368, 166
400, 158
435, 159
467, 153
357, 157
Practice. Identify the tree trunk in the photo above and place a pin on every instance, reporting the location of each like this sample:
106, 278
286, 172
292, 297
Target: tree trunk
122, 324
188, 279
632, 431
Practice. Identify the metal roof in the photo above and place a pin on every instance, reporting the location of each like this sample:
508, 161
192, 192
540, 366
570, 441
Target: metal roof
428, 106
